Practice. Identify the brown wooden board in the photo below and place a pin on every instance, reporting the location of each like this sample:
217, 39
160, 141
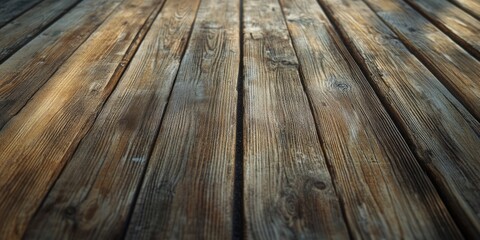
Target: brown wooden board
116, 149
37, 142
385, 194
288, 190
441, 132
29, 68
455, 67
470, 6
459, 25
115, 152
188, 186
18, 32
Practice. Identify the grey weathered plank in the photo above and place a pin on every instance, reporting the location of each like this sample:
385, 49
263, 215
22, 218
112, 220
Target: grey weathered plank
374, 171
288, 190
188, 187
455, 67
18, 32
10, 9
442, 133
115, 151
36, 143
460, 26
30, 67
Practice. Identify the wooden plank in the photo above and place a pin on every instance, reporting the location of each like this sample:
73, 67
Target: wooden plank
36, 143
460, 26
10, 9
94, 194
441, 132
29, 68
375, 173
24, 28
457, 69
470, 6
188, 186
288, 191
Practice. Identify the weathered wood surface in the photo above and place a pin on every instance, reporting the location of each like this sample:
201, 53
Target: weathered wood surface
287, 186
35, 144
375, 173
444, 136
470, 6
29, 68
101, 141
455, 67
460, 26
21, 30
188, 186
115, 152
10, 9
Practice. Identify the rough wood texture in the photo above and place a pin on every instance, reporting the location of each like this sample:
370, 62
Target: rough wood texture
188, 187
116, 149
29, 68
470, 6
9, 9
101, 141
444, 136
455, 67
459, 25
288, 190
35, 144
375, 173
21, 30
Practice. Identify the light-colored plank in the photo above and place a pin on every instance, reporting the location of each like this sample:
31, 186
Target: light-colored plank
21, 30
29, 68
36, 143
10, 9
288, 190
470, 6
94, 194
442, 133
460, 26
375, 173
188, 187
455, 67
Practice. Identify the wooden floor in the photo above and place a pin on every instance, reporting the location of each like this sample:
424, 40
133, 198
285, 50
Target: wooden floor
231, 119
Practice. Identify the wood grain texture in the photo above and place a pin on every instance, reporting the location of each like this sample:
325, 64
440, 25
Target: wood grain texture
288, 191
29, 68
455, 67
116, 149
460, 26
188, 188
21, 30
444, 136
10, 9
470, 6
374, 171
36, 143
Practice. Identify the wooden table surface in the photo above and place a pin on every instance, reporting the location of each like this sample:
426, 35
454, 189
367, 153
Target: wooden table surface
239, 119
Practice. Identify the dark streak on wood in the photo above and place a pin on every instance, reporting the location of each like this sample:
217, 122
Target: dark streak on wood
455, 67
115, 152
30, 67
188, 187
384, 192
24, 28
441, 132
10, 9
49, 128
288, 191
